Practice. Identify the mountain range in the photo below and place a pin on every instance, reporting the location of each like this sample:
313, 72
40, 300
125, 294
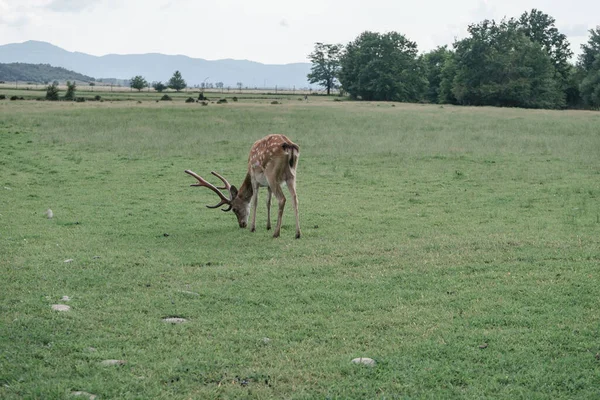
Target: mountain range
160, 67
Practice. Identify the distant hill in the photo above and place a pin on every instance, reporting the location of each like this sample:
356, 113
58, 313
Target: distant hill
39, 73
159, 67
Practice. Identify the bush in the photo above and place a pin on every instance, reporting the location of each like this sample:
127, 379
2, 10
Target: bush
201, 96
275, 102
190, 100
2, 96
204, 103
235, 98
14, 98
70, 95
222, 101
97, 97
166, 97
52, 92
80, 99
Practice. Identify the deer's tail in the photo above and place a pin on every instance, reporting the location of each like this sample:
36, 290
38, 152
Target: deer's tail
293, 156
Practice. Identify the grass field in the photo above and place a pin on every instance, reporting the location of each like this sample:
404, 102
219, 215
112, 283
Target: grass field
457, 247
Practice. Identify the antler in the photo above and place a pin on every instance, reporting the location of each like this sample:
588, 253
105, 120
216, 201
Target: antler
202, 182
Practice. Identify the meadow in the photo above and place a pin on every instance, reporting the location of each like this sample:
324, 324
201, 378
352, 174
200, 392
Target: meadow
457, 247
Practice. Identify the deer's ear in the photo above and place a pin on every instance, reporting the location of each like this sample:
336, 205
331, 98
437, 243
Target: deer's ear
234, 192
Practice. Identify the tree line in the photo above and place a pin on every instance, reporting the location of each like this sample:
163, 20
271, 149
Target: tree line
38, 73
517, 62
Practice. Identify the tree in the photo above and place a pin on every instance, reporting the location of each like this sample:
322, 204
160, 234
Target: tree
540, 28
239, 85
325, 65
177, 82
219, 85
434, 62
70, 95
52, 92
499, 65
138, 82
159, 86
382, 67
589, 62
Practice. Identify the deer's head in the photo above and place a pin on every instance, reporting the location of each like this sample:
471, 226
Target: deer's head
239, 206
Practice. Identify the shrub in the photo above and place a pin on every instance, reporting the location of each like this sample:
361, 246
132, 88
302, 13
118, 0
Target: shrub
166, 97
201, 96
274, 102
2, 96
190, 100
80, 99
97, 97
204, 103
70, 95
337, 99
52, 92
14, 98
222, 101
235, 98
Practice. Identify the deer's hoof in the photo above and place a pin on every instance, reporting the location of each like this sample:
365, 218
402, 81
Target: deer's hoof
252, 229
298, 235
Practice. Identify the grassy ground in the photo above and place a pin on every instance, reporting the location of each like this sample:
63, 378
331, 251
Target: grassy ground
458, 247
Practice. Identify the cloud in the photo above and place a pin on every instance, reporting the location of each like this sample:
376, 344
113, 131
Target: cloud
14, 21
70, 5
283, 23
574, 30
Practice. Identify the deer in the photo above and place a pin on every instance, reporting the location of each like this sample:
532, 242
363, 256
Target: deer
271, 163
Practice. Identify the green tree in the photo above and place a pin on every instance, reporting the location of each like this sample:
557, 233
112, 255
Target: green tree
159, 86
177, 82
447, 75
325, 65
540, 28
138, 82
382, 67
589, 62
52, 92
434, 62
71, 87
499, 65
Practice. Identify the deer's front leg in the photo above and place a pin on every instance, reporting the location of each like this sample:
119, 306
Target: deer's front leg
254, 203
269, 195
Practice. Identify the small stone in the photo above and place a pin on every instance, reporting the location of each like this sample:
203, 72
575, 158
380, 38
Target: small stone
65, 298
190, 293
84, 394
483, 346
597, 356
175, 320
60, 307
49, 213
266, 340
69, 260
91, 349
365, 361
113, 362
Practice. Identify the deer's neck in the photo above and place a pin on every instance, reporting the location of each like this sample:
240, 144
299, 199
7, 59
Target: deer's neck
245, 192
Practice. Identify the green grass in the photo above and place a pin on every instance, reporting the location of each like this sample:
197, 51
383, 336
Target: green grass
427, 232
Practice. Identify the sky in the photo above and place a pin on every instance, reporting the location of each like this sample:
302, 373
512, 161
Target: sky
266, 31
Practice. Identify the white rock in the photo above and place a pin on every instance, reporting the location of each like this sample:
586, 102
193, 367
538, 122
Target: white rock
60, 307
175, 320
84, 394
65, 298
266, 340
69, 260
113, 362
49, 213
365, 361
